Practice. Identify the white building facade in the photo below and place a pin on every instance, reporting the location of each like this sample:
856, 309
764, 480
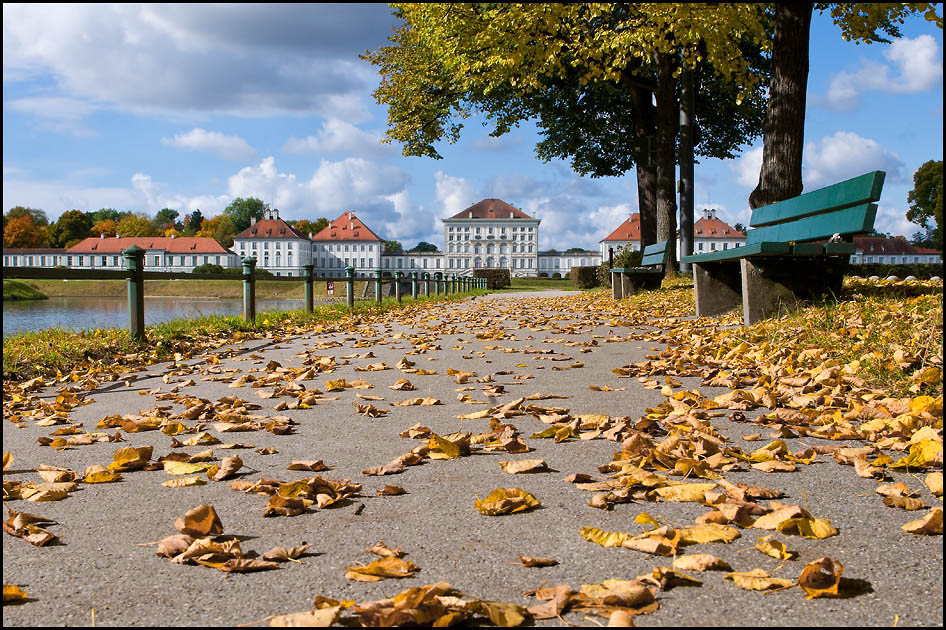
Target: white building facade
553, 264
492, 234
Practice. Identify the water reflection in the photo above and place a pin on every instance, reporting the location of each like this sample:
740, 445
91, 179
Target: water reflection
77, 313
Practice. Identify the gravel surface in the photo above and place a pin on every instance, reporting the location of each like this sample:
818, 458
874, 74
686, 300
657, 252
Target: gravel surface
898, 577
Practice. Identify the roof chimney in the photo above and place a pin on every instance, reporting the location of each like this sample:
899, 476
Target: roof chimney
252, 220
102, 236
173, 234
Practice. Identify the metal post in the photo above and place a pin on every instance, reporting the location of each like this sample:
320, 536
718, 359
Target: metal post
307, 274
437, 283
134, 262
249, 288
426, 284
377, 286
350, 286
397, 286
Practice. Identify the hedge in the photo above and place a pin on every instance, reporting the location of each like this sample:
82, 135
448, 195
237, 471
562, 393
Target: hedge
921, 271
584, 277
495, 278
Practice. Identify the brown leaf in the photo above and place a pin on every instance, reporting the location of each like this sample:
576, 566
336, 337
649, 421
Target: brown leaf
383, 568
391, 491
200, 521
820, 578
530, 561
285, 554
312, 465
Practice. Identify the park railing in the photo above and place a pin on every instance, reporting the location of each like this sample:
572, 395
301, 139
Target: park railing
135, 276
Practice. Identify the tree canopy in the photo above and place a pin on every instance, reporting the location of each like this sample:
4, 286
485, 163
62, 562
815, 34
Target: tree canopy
424, 246
926, 203
242, 211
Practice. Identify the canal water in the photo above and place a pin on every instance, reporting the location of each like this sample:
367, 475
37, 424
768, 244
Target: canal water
78, 313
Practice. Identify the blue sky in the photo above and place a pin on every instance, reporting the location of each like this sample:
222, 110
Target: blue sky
140, 107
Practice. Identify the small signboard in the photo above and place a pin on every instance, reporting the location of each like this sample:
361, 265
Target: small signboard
330, 288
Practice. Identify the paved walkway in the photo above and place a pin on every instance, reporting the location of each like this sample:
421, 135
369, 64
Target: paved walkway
530, 344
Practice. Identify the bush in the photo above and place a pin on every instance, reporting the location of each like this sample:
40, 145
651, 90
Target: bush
623, 258
556, 275
921, 271
495, 278
208, 268
584, 277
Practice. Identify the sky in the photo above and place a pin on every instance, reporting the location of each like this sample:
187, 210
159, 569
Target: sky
141, 107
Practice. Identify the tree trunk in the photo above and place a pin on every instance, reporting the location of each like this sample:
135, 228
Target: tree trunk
686, 166
645, 127
783, 131
668, 119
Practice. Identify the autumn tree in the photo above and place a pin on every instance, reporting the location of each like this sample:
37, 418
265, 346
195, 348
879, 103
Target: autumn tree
310, 227
164, 220
71, 227
192, 222
393, 246
926, 204
105, 227
450, 61
21, 231
138, 224
39, 217
220, 228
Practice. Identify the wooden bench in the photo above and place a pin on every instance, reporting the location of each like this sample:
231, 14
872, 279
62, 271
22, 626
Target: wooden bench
625, 282
800, 249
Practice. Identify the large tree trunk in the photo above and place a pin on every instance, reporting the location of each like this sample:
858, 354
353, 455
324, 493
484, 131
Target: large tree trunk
783, 131
686, 166
668, 119
645, 127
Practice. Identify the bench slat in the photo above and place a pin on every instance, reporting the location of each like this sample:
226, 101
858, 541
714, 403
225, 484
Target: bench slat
852, 192
854, 220
756, 249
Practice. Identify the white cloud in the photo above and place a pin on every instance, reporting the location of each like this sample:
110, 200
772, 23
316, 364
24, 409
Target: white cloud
246, 60
845, 155
453, 194
58, 114
747, 167
916, 65
227, 147
340, 137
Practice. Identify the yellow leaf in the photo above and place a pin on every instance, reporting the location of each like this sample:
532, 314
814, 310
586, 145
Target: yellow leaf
932, 523
604, 538
773, 548
185, 468
382, 568
685, 492
506, 501
756, 580
710, 532
184, 482
808, 527
441, 448
13, 594
700, 562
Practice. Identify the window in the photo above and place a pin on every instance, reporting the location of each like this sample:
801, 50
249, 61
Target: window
700, 246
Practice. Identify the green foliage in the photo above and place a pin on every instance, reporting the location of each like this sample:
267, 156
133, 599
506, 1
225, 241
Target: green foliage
392, 246
71, 227
624, 257
926, 202
495, 278
424, 246
164, 219
241, 211
309, 227
208, 268
584, 277
106, 214
192, 222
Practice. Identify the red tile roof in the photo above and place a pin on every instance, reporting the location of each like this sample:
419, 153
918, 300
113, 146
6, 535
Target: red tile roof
715, 228
178, 245
347, 227
874, 245
630, 230
491, 209
271, 228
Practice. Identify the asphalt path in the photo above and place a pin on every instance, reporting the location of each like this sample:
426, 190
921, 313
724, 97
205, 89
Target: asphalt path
99, 565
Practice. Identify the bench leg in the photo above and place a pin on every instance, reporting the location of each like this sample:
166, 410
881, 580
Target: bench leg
643, 283
617, 287
772, 286
716, 288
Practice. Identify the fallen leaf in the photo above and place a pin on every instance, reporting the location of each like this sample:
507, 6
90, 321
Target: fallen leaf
506, 501
820, 578
381, 569
200, 521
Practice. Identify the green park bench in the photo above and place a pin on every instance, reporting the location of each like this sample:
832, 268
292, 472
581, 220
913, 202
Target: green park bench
626, 281
799, 249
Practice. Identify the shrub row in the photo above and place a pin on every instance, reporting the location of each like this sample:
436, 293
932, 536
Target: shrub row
495, 278
921, 271
584, 277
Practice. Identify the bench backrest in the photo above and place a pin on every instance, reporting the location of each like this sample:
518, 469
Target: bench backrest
844, 208
655, 254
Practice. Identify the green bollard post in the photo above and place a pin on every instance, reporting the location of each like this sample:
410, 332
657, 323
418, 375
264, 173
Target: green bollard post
437, 283
307, 274
249, 289
397, 286
377, 286
414, 285
135, 262
426, 284
350, 287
